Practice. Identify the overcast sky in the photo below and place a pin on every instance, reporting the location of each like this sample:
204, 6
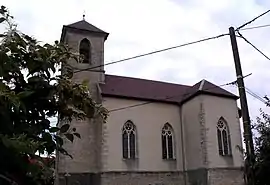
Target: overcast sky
141, 26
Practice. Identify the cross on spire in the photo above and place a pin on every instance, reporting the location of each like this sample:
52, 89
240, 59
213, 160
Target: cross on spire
83, 15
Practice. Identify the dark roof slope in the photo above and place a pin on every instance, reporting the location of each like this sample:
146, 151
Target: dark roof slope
205, 87
135, 88
83, 26
212, 88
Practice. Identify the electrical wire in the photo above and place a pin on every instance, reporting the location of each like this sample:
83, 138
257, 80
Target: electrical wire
253, 94
249, 22
178, 46
151, 53
254, 27
149, 102
166, 49
182, 95
247, 89
241, 36
182, 45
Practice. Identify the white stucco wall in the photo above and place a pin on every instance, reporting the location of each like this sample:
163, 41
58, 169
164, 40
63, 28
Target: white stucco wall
149, 120
215, 107
191, 127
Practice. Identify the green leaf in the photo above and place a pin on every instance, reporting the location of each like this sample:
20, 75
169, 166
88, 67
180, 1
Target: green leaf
45, 123
25, 94
3, 8
70, 137
28, 102
85, 82
48, 74
2, 19
77, 135
47, 136
59, 140
54, 129
63, 151
64, 128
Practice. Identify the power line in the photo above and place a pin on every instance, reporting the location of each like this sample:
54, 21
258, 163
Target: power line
253, 94
153, 52
182, 95
249, 163
247, 89
243, 25
255, 27
253, 46
166, 49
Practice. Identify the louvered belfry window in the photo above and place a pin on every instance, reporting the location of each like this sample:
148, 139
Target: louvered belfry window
85, 50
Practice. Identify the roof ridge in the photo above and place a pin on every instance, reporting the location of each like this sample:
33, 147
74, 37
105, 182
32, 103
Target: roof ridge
217, 87
202, 84
85, 22
143, 79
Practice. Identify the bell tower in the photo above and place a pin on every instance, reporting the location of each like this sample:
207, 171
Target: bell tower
87, 40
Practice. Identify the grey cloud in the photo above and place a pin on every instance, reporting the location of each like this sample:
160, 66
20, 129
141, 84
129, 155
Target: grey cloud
173, 75
263, 2
217, 75
133, 33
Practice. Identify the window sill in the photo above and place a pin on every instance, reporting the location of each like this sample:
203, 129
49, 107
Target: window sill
130, 159
173, 159
226, 156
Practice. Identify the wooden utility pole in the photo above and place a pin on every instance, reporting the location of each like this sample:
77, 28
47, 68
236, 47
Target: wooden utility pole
244, 108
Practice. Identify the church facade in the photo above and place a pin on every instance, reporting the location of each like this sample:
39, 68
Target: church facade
157, 133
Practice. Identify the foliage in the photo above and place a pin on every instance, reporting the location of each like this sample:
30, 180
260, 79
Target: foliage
262, 143
32, 90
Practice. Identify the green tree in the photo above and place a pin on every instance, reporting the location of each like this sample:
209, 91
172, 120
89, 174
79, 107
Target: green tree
262, 149
33, 90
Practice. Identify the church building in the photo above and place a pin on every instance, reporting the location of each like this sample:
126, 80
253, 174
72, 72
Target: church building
157, 133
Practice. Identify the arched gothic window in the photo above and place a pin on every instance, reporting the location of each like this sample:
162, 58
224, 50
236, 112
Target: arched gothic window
223, 137
85, 50
129, 140
167, 142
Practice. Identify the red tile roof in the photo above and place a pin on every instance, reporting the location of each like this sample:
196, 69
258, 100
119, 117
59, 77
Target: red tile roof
142, 89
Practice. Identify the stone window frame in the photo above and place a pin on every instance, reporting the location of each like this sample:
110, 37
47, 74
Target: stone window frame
129, 140
168, 139
223, 138
85, 49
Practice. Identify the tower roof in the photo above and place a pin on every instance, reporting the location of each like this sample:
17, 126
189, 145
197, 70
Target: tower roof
83, 26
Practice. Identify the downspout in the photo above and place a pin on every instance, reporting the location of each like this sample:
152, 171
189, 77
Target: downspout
183, 145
